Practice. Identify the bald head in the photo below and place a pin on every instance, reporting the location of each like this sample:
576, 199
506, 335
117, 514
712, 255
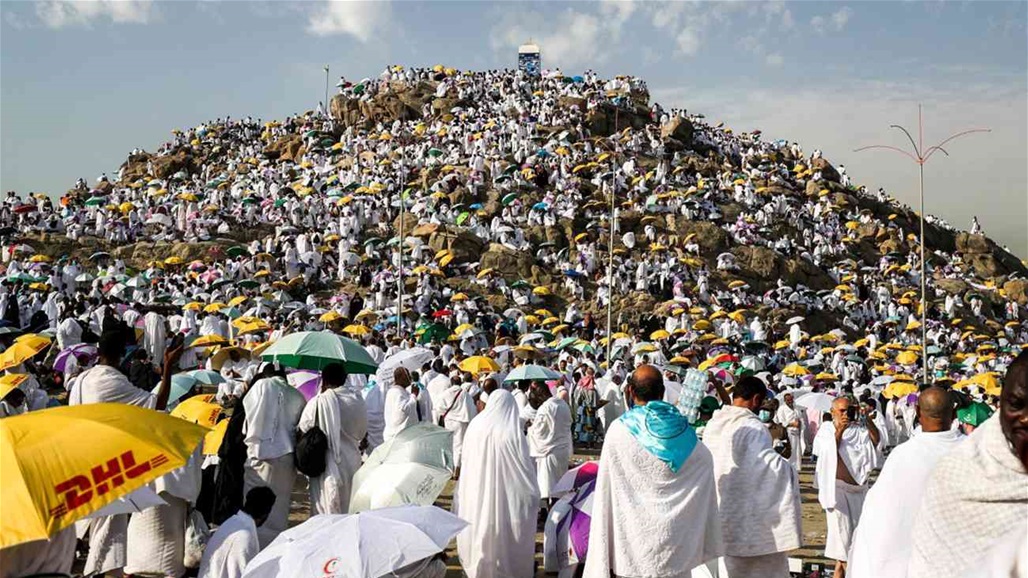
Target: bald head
647, 384
935, 410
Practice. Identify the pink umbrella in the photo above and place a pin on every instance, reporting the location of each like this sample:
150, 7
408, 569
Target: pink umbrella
306, 382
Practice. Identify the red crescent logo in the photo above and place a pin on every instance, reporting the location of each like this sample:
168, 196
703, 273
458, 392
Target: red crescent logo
330, 566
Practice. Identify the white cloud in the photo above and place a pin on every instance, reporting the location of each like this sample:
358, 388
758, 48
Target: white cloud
572, 39
688, 41
63, 13
361, 19
774, 59
841, 17
833, 22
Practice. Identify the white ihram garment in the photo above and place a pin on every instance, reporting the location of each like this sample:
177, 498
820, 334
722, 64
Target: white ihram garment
758, 494
231, 547
400, 412
549, 439
497, 495
881, 544
342, 416
959, 522
648, 521
457, 412
842, 502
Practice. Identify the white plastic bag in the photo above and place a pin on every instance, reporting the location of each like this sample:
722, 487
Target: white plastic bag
197, 534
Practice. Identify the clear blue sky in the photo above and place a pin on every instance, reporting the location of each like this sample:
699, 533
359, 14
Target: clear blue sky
82, 83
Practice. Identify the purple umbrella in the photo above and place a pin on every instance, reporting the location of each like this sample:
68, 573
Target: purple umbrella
306, 382
81, 350
581, 519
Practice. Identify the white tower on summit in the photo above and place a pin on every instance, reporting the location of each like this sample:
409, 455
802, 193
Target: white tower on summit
529, 58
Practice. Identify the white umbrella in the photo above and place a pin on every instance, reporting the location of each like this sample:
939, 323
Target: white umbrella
412, 359
367, 545
794, 320
818, 401
137, 501
159, 219
411, 468
752, 363
883, 380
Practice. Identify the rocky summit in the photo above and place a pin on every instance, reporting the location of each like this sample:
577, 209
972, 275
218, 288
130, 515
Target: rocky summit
515, 176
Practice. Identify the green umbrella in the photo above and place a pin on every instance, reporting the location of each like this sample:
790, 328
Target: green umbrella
508, 199
584, 347
316, 349
434, 152
974, 414
236, 251
95, 201
232, 313
280, 202
433, 332
531, 373
520, 284
249, 200
566, 342
463, 217
248, 284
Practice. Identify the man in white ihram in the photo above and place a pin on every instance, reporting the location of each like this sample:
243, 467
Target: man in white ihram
401, 406
235, 542
847, 451
881, 544
789, 418
273, 409
655, 505
758, 490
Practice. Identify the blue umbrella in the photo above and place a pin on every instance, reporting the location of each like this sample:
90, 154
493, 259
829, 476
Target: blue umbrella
541, 206
531, 373
180, 386
543, 153
572, 273
206, 376
476, 206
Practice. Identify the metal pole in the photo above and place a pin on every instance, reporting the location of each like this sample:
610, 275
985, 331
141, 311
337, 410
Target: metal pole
399, 270
924, 283
610, 250
326, 92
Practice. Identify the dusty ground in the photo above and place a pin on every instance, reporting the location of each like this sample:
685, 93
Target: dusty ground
813, 517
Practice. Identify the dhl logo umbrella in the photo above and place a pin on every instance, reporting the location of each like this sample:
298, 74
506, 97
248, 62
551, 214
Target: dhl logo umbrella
59, 465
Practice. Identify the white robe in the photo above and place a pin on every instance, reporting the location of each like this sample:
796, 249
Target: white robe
647, 520
758, 490
497, 495
400, 412
55, 555
230, 548
959, 521
881, 544
273, 409
154, 337
458, 412
785, 416
842, 502
341, 414
108, 535
549, 440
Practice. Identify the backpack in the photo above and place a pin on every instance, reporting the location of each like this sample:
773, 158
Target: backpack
311, 450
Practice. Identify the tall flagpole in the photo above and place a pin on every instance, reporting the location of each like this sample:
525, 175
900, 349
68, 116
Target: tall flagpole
610, 247
399, 270
921, 156
326, 91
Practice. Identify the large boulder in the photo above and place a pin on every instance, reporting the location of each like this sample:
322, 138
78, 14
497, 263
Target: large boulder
828, 172
987, 258
510, 264
712, 239
288, 148
679, 129
465, 246
607, 119
1017, 290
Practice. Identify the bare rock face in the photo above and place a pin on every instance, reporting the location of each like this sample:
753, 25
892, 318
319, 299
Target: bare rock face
465, 246
828, 172
679, 129
288, 148
1017, 290
988, 260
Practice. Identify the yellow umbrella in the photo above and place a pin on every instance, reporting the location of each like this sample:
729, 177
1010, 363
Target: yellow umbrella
199, 409
906, 358
366, 314
22, 351
479, 364
531, 320
484, 272
59, 465
551, 321
239, 299
462, 328
458, 297
701, 325
330, 316
541, 291
356, 330
621, 335
10, 381
193, 306
660, 334
214, 307
40, 259
795, 370
174, 261
899, 389
212, 441
208, 341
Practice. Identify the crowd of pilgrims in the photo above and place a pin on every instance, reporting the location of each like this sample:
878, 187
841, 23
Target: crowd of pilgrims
321, 251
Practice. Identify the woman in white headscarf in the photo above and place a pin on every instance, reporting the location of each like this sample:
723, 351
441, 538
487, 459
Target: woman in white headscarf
497, 494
